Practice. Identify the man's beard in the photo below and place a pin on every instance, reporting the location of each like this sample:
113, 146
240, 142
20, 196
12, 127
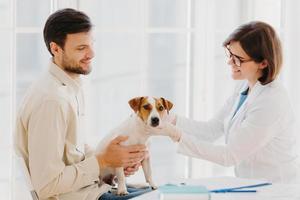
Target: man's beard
71, 66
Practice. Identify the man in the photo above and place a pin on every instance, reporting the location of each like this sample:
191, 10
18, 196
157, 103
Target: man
49, 123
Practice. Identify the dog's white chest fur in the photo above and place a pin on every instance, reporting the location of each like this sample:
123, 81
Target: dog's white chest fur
132, 127
135, 128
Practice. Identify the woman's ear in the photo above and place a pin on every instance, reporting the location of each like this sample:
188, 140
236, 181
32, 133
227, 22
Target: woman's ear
263, 64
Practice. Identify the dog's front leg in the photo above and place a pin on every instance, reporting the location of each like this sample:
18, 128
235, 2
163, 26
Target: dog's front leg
147, 172
122, 189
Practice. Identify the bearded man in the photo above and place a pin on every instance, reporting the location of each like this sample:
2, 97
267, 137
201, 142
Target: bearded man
49, 122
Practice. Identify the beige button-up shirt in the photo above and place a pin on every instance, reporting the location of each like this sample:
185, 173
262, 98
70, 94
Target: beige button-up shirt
48, 129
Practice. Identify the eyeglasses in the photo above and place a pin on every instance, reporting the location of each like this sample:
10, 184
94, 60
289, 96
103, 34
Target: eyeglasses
236, 59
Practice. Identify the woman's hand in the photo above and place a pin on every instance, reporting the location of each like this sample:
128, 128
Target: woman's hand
170, 118
167, 129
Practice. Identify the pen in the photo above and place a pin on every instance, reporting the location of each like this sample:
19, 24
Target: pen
252, 186
238, 189
235, 191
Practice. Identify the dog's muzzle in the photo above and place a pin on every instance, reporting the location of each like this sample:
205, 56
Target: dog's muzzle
154, 121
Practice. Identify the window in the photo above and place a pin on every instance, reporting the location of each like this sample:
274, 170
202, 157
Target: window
5, 98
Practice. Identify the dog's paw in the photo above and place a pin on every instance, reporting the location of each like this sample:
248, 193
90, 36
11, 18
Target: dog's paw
153, 187
122, 192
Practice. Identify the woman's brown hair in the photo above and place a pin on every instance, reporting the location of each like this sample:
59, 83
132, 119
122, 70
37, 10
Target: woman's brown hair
260, 42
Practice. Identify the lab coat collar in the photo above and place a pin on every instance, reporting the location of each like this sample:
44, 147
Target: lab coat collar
255, 92
258, 88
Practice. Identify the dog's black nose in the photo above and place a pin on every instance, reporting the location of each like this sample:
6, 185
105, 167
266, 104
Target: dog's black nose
154, 121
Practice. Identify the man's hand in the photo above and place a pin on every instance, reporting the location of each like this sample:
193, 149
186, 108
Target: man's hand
117, 155
130, 170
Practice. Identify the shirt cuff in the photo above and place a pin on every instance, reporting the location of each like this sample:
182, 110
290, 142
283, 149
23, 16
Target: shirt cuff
180, 122
185, 144
181, 142
91, 169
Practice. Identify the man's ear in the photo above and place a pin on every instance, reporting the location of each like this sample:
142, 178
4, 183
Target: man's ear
263, 64
54, 48
167, 104
135, 103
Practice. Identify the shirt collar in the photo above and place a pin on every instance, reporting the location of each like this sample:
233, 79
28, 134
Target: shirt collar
64, 78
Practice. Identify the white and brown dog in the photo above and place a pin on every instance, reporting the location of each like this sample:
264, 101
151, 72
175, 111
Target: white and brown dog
148, 111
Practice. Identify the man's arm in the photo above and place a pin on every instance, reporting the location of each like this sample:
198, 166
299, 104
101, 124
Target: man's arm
50, 172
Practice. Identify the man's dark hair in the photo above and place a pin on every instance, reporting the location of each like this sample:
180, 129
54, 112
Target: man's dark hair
63, 22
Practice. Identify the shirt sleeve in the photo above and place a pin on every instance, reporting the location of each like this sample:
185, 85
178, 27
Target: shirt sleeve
254, 132
50, 174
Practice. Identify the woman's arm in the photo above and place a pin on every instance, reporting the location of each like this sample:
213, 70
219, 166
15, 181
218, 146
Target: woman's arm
209, 130
256, 131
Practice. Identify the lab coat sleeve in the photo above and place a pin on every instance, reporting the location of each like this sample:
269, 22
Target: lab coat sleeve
255, 131
207, 130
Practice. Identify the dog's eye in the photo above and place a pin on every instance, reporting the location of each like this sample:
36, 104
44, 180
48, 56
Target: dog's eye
146, 107
160, 108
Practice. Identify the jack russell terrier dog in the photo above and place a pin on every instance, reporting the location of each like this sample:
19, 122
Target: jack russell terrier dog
148, 112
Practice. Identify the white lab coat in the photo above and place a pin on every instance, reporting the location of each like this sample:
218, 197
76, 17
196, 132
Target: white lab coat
259, 140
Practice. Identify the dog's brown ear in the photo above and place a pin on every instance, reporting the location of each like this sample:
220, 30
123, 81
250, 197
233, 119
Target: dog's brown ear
135, 103
167, 104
